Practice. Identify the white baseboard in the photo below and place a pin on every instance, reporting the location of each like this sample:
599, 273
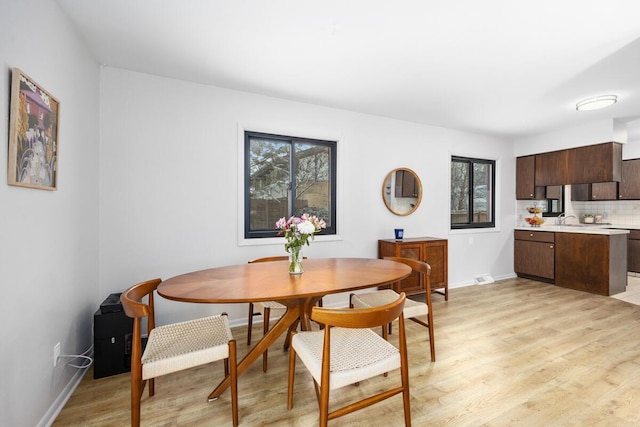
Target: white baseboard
52, 413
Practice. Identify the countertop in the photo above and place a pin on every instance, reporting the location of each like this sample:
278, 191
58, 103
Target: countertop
607, 229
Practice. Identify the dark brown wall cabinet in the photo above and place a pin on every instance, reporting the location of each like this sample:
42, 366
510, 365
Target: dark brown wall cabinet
595, 163
525, 179
554, 191
431, 250
581, 165
596, 191
551, 168
629, 188
534, 254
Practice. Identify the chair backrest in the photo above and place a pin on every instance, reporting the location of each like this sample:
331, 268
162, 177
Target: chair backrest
270, 258
359, 317
133, 307
420, 267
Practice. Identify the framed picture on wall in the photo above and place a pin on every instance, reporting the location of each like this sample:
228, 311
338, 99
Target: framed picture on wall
33, 134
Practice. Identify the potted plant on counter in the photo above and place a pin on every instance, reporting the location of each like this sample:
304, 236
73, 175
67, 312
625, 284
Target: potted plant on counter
588, 218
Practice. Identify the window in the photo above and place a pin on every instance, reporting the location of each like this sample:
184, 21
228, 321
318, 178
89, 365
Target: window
472, 193
287, 176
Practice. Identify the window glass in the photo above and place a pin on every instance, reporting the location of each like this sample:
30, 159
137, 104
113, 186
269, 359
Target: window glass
287, 176
472, 193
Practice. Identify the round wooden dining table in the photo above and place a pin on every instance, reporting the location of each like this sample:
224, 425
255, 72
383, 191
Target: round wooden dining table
271, 281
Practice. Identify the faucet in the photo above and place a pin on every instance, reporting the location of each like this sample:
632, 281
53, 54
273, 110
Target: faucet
562, 218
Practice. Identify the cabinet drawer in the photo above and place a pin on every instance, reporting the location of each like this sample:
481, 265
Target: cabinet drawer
634, 235
535, 236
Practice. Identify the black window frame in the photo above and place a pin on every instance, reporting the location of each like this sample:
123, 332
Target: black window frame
292, 140
469, 224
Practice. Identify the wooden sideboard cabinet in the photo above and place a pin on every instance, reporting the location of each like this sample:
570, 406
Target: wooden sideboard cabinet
432, 250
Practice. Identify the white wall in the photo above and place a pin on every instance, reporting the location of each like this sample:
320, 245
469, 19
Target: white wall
595, 132
48, 240
169, 176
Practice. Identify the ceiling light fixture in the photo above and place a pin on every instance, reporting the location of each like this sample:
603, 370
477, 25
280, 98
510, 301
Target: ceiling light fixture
596, 102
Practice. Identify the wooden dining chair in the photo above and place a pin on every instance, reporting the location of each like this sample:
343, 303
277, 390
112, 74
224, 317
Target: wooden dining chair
412, 309
266, 309
346, 352
174, 347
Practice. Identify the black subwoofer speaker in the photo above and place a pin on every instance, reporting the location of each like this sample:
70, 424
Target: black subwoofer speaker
112, 331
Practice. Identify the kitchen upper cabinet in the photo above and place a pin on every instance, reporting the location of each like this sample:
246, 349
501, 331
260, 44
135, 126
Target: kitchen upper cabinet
554, 192
525, 179
629, 188
582, 165
551, 168
596, 191
595, 163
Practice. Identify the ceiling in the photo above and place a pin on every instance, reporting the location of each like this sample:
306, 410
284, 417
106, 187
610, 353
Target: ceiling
497, 67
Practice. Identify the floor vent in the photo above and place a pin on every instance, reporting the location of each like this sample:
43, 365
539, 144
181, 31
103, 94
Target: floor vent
483, 280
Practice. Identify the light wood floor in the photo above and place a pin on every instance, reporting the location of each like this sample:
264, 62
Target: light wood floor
515, 352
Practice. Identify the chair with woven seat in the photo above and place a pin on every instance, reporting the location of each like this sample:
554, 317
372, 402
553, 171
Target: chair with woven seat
174, 347
347, 352
266, 309
412, 309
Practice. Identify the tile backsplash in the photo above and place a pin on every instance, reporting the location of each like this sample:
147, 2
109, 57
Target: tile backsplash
613, 211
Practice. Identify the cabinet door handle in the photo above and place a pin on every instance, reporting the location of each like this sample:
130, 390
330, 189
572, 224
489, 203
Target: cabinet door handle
550, 246
531, 235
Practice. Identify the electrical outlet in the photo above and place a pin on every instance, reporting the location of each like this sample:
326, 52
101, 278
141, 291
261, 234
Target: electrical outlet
56, 354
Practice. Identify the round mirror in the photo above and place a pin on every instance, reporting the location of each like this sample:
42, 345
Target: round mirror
402, 191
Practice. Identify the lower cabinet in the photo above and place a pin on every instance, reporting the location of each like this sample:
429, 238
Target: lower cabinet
633, 251
592, 263
535, 254
595, 263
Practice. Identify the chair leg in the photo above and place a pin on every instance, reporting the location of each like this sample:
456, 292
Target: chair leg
292, 372
432, 340
292, 329
265, 329
404, 372
324, 403
136, 394
234, 381
249, 323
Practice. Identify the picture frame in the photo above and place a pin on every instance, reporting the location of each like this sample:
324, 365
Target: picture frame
33, 134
